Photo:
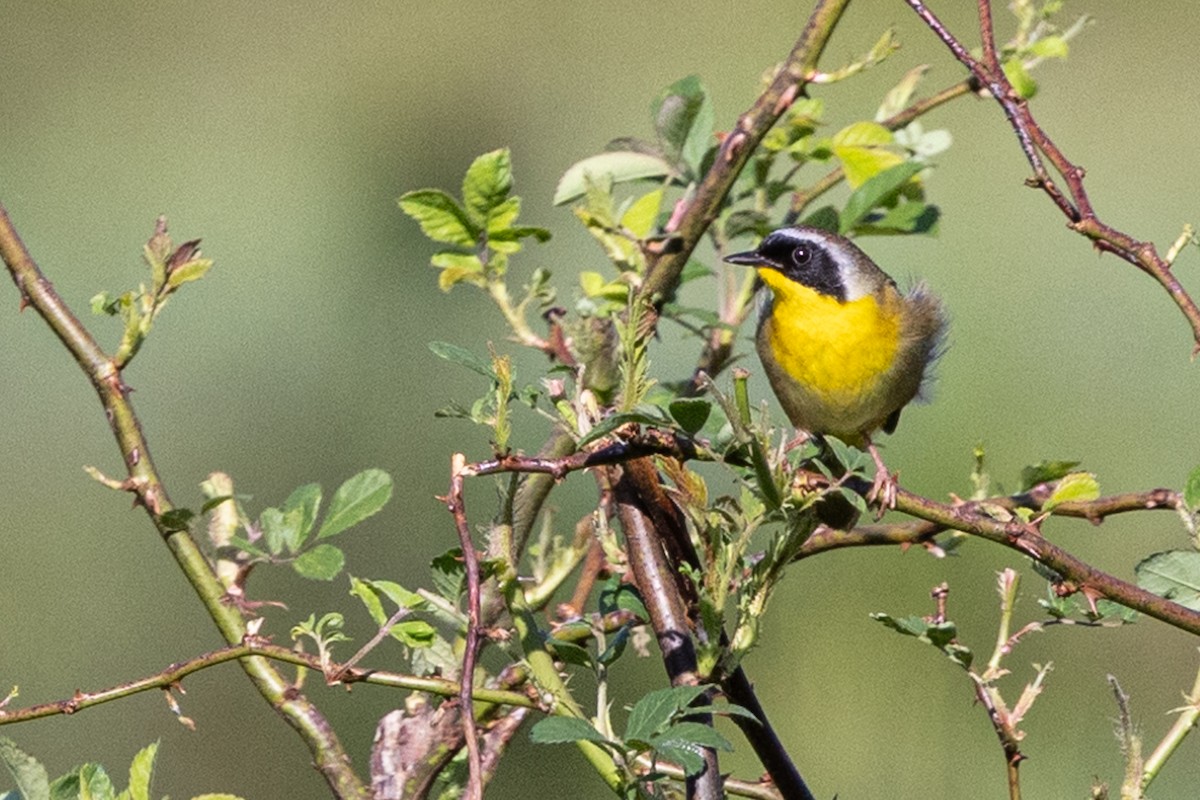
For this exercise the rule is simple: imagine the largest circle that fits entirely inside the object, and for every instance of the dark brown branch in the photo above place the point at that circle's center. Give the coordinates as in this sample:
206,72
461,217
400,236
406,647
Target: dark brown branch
641,505
1037,145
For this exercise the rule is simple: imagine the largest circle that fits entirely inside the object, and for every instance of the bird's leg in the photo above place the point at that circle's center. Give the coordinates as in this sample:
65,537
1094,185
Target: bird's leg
883,488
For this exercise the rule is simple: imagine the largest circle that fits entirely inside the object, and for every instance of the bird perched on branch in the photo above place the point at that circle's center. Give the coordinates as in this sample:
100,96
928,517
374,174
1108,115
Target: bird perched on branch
845,351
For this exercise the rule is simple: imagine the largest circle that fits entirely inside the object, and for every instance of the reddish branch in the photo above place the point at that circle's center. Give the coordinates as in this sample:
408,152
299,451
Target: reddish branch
1039,148
455,504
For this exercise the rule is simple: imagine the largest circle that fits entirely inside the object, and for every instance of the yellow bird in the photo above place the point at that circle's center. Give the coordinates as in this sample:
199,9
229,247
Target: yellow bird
843,348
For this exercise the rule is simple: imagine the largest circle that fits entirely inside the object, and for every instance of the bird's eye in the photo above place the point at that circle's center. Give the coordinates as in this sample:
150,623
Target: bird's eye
801,255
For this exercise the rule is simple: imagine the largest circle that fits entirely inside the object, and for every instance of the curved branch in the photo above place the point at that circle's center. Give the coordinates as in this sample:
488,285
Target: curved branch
146,485
1037,145
1026,538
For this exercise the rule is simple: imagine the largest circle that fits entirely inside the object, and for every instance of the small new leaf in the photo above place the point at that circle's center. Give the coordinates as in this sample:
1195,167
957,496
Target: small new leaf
1074,487
683,118
486,186
1045,471
440,216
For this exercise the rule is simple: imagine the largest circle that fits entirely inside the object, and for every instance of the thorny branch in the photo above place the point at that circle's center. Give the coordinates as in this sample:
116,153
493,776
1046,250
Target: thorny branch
1039,148
149,491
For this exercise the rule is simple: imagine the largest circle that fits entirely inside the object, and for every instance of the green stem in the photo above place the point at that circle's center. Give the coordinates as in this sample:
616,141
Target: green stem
762,469
546,678
1184,723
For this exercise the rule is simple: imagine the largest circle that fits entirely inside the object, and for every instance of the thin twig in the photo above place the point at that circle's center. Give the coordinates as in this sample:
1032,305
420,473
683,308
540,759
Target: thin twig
456,506
380,635
1040,148
176,672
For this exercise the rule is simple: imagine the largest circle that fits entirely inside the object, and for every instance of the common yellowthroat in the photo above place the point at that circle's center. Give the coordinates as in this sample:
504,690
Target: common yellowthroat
843,348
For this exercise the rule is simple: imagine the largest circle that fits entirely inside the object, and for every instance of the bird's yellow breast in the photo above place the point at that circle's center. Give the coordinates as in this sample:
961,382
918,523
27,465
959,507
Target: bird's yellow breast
837,351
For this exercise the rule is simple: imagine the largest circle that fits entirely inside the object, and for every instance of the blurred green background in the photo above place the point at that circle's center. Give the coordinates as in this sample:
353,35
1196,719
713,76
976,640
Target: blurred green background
282,134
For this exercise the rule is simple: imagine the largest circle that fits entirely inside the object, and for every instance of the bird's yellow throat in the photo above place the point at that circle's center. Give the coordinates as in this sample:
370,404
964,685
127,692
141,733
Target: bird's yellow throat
836,349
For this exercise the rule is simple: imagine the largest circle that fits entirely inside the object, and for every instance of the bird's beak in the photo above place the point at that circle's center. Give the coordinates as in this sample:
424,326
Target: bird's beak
750,258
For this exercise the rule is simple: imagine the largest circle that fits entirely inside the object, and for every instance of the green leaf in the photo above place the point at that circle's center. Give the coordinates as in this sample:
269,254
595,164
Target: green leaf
1075,487
358,498
941,635
280,531
862,134
322,563
486,185
688,758
458,267
393,591
683,118
615,646
1044,472
414,633
617,167
440,216
1022,82
619,596
646,415
570,653
27,773
560,730
690,412
1174,574
640,217
305,501
253,548
189,271
177,519
85,782
691,733
1191,490
1050,47
826,218
365,591
896,100
875,191
907,217
656,709
141,771
463,356
449,574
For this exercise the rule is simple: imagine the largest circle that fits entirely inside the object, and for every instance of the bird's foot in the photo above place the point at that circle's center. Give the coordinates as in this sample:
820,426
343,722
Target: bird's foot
884,487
